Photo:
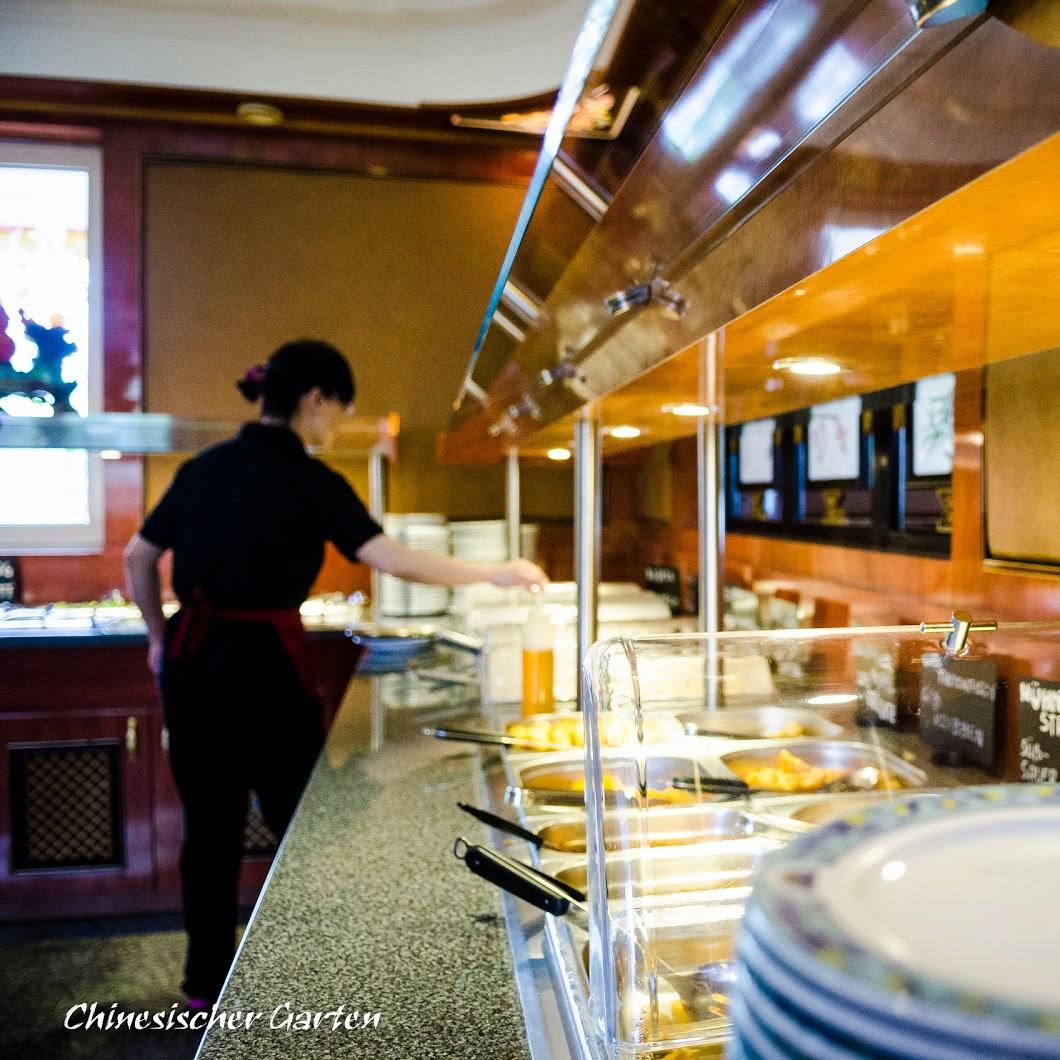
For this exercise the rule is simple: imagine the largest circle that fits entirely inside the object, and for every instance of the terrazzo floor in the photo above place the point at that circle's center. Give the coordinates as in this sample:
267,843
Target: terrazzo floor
47,968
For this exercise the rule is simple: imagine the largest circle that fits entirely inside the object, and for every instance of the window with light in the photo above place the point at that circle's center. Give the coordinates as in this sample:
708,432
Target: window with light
51,500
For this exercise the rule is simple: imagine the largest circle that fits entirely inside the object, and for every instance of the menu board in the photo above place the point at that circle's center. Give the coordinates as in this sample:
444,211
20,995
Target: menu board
958,709
1039,726
933,426
9,581
834,441
666,581
757,450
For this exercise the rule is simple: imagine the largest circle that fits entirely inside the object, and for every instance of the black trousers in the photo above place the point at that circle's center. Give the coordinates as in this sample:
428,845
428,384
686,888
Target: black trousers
239,719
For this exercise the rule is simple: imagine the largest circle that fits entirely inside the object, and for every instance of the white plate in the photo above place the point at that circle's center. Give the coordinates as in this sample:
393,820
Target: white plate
856,1023
755,1042
831,986
969,899
798,1038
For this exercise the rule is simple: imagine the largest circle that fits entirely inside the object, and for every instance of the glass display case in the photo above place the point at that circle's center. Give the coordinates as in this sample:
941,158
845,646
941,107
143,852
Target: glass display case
704,754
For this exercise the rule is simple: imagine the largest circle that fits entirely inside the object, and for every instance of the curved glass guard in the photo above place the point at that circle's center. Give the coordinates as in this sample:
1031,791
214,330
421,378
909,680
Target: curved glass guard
704,753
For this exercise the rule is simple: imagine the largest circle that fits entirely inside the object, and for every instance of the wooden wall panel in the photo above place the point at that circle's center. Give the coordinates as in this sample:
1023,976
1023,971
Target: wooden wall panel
500,168
880,587
1022,432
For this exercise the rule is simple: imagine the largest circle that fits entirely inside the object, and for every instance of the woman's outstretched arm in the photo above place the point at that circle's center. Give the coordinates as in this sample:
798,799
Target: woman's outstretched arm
392,557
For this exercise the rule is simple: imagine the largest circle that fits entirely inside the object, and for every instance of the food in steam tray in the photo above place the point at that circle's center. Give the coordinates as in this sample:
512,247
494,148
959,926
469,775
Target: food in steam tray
613,784
618,731
791,774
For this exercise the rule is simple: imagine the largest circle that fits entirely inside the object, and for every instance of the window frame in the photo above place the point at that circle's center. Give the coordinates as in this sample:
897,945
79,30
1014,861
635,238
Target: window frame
70,538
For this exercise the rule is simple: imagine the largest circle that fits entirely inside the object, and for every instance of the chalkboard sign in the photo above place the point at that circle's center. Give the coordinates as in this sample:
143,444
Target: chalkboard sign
1039,724
958,709
666,581
9,584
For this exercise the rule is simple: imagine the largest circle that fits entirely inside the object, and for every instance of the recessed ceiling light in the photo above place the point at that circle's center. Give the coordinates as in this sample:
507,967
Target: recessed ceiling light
624,431
687,408
815,366
558,454
255,113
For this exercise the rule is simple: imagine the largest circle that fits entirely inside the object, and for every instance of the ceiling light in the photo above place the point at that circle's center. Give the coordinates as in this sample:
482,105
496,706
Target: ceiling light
264,114
624,432
687,408
109,454
558,454
813,366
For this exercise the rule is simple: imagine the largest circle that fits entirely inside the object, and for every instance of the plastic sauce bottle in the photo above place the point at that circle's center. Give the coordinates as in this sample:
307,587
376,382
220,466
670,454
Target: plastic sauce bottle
538,676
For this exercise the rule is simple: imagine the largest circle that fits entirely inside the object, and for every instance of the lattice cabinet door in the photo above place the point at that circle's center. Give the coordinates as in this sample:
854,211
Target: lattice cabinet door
75,813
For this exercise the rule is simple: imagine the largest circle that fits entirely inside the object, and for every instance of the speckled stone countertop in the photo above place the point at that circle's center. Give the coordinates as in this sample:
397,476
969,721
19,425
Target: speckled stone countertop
367,907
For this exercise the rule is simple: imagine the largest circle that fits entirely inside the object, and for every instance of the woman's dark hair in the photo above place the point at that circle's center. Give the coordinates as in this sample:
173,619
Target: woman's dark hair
293,370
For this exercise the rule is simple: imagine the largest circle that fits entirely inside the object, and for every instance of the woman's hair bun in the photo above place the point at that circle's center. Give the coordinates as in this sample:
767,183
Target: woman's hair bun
252,384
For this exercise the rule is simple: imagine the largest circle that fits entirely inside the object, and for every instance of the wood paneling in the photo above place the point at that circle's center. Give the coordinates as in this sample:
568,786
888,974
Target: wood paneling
879,587
967,282
1022,437
936,118
129,144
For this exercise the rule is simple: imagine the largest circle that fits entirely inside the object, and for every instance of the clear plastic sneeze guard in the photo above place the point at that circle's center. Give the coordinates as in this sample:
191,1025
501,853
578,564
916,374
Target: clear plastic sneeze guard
705,753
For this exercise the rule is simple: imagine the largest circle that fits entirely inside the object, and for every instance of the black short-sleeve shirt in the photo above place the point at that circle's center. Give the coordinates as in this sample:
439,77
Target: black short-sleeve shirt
247,520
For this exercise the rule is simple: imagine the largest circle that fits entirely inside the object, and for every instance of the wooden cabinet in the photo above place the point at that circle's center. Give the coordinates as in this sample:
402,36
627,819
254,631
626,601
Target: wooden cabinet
90,819
75,818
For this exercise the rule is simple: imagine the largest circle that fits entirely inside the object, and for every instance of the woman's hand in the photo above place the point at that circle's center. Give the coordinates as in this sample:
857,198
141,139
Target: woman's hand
519,572
155,652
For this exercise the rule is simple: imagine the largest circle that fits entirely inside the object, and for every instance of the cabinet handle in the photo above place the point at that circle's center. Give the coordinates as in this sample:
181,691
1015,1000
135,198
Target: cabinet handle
132,739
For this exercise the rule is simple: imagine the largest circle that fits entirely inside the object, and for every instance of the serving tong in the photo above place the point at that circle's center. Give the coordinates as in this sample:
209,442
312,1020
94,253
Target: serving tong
864,779
711,984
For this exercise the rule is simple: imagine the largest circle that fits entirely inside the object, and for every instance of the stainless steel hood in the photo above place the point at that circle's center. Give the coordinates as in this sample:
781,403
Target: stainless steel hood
138,433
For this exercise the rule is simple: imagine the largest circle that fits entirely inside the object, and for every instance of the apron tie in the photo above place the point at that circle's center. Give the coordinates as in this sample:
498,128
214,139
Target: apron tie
195,621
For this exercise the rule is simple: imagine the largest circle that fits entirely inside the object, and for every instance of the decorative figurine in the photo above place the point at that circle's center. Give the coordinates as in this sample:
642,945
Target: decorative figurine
45,375
7,344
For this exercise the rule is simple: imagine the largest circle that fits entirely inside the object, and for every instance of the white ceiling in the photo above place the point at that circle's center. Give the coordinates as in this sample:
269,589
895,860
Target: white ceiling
401,52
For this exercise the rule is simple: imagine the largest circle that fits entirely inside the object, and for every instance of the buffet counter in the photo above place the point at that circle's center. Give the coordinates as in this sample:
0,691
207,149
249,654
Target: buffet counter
366,907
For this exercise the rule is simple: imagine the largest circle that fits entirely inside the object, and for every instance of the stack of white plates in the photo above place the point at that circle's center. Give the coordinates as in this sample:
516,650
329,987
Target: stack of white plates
486,540
925,929
426,531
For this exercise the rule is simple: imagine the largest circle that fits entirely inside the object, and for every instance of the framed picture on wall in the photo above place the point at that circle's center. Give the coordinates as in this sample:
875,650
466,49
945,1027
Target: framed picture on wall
931,434
834,446
757,450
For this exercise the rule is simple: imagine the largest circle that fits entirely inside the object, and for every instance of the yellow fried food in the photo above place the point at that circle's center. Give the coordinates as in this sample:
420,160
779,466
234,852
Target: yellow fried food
615,731
790,774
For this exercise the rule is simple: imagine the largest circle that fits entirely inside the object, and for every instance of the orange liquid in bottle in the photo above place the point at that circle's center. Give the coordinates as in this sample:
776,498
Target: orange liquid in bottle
538,696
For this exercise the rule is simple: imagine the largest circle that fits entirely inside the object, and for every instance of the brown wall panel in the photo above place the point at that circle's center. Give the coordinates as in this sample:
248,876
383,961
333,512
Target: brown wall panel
881,587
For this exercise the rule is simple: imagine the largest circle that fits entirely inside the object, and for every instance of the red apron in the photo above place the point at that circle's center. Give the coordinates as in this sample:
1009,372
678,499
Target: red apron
195,620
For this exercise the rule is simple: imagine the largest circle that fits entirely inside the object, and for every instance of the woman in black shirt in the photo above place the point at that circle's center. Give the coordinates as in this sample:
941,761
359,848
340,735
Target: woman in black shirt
247,521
